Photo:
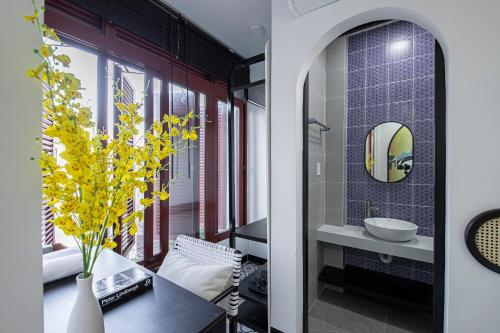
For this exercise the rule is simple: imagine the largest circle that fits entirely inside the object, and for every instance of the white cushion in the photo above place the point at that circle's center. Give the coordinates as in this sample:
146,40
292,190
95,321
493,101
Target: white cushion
59,264
207,281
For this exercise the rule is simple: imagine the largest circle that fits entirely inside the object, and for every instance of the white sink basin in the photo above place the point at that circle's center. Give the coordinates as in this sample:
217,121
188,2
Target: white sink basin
391,229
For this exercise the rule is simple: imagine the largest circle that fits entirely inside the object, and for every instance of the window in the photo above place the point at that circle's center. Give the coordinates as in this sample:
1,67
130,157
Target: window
198,203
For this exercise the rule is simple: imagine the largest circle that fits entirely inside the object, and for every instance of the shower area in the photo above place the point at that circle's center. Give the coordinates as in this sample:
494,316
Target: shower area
373,152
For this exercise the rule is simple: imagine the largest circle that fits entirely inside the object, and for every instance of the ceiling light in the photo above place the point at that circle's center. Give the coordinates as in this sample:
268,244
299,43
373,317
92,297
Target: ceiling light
257,30
400,45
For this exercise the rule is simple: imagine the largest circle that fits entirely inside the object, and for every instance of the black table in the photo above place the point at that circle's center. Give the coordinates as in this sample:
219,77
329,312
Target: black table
255,231
253,313
164,308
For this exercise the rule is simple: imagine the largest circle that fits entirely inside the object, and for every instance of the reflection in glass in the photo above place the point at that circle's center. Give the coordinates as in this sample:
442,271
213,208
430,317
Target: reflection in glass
223,165
184,201
389,152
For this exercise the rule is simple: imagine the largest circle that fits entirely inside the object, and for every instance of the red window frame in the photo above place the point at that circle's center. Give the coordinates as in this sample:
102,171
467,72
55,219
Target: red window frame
86,29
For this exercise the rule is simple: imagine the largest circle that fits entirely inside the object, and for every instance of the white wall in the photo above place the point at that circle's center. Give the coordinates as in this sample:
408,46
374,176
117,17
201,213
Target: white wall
468,33
20,200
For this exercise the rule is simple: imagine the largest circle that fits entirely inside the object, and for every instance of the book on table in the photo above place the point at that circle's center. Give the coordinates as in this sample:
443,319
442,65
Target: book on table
120,286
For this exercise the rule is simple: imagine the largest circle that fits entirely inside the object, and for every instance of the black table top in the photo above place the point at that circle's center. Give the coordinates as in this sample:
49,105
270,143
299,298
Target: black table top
164,308
250,295
256,231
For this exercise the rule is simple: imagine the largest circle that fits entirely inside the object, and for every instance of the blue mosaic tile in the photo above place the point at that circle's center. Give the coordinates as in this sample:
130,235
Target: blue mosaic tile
356,61
377,55
356,135
382,210
351,251
355,209
356,79
398,85
423,152
376,75
402,262
355,261
422,174
422,276
376,191
424,195
402,212
355,191
424,109
424,216
401,71
376,265
424,65
424,44
376,95
400,30
401,112
424,87
377,36
376,114
400,271
356,222
429,232
401,194
356,98
400,50
400,91
424,130
423,266
356,154
355,117
356,42
418,30
356,173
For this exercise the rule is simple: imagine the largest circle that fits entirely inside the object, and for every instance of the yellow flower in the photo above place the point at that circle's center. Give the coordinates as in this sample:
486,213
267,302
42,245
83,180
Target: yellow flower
133,229
45,51
164,195
174,119
32,18
121,106
89,185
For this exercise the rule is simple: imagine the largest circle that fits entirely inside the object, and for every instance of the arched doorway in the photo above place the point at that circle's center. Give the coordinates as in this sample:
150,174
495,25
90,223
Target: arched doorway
438,170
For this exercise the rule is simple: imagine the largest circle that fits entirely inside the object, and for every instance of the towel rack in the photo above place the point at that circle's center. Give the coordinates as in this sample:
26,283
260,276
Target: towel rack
323,127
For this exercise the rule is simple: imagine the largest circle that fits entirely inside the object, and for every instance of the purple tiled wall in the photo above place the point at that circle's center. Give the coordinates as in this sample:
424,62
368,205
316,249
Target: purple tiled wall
391,78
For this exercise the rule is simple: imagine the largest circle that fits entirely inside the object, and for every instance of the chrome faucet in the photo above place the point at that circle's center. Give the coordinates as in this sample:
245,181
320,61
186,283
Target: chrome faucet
369,209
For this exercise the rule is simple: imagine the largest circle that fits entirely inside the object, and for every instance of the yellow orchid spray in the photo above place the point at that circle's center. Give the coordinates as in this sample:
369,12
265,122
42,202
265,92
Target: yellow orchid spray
88,188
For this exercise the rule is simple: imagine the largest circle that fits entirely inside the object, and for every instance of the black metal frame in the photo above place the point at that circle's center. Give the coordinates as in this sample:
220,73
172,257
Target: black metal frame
412,147
470,237
305,205
231,88
439,189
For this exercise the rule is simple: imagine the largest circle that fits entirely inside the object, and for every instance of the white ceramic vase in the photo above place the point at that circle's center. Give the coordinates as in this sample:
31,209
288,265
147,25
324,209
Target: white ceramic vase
86,314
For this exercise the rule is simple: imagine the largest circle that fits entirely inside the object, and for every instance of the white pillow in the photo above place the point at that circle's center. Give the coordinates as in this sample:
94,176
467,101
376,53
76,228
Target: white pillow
59,264
207,281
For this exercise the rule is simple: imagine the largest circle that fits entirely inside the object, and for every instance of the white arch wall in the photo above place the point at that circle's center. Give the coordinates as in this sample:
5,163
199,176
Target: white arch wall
468,34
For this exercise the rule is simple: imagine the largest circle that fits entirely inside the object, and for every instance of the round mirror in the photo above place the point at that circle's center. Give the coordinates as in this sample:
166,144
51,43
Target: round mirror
482,237
389,152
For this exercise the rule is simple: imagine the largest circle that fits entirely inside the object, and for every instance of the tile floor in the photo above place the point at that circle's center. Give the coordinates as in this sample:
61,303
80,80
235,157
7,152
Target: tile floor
335,312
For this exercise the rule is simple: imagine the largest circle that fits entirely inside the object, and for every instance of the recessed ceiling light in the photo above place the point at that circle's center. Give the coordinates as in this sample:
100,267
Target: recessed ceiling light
257,30
400,45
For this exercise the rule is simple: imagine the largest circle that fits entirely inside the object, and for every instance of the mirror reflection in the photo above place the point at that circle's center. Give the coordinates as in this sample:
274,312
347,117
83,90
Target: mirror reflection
389,152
